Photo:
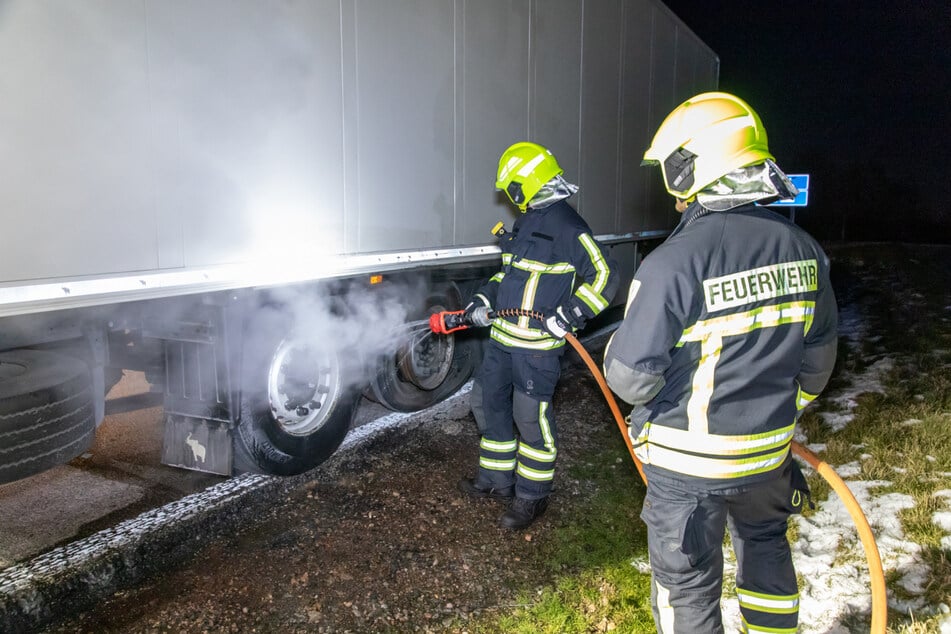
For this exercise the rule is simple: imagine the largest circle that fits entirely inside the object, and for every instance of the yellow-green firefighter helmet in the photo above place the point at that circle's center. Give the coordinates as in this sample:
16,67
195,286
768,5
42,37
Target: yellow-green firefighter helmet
524,168
705,138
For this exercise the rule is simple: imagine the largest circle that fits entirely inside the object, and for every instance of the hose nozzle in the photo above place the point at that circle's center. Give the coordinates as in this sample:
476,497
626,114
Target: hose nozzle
449,321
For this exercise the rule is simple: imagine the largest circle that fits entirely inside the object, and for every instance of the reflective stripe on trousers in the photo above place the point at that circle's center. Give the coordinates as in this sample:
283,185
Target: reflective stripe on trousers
517,389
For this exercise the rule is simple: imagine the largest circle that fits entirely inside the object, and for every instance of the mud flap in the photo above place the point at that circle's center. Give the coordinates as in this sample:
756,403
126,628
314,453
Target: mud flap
197,444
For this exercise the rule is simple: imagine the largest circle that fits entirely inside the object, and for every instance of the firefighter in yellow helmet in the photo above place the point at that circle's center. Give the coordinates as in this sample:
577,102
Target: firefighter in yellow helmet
729,332
551,265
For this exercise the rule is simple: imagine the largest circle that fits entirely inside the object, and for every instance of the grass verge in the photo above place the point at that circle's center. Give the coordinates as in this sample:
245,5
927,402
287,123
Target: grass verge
590,563
900,430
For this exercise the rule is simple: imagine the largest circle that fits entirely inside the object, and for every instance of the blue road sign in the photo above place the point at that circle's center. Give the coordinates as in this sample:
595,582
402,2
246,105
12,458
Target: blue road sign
801,181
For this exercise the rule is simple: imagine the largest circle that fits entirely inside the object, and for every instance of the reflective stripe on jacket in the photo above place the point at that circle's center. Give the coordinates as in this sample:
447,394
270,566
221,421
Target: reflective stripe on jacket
542,257
730,330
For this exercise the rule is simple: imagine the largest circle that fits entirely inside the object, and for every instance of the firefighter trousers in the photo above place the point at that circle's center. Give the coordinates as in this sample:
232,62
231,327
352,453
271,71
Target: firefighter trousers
685,541
513,392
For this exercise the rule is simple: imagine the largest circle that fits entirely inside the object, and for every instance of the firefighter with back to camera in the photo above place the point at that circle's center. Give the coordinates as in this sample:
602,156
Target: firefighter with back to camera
729,332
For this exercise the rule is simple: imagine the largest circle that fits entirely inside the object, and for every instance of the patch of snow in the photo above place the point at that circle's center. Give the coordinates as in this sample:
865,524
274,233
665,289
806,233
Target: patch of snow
915,578
943,520
642,564
836,421
868,381
849,469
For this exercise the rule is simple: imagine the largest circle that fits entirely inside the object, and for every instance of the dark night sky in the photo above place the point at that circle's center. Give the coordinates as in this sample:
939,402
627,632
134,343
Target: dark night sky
857,94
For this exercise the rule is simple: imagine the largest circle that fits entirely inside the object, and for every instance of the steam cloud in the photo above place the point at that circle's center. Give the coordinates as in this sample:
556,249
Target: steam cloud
360,325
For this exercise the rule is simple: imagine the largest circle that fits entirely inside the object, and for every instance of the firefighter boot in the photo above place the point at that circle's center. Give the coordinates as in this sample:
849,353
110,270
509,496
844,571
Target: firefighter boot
523,512
473,490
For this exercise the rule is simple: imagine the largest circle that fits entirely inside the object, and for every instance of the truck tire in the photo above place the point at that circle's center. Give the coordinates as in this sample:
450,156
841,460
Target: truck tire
46,412
298,402
428,368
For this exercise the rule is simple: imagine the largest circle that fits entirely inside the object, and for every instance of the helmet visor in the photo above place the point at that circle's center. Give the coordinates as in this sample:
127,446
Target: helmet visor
515,192
678,170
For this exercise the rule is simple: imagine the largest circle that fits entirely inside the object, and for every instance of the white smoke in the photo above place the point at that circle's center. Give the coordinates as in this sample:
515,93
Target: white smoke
358,325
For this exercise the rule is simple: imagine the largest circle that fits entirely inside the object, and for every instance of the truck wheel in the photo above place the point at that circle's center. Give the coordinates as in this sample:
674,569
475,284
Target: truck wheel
298,404
46,412
426,368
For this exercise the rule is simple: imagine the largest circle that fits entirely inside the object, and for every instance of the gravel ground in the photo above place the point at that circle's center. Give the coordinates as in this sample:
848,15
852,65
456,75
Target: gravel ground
377,540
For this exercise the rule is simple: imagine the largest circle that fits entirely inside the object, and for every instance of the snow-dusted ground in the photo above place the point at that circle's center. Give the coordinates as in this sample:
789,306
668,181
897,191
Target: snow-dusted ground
828,554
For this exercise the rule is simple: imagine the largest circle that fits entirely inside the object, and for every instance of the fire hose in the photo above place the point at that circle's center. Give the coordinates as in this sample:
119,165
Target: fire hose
451,321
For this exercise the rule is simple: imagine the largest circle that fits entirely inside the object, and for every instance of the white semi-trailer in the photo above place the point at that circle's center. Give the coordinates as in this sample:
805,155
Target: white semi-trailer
246,200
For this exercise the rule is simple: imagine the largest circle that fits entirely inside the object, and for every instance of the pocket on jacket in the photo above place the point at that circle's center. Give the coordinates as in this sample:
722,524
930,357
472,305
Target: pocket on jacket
537,247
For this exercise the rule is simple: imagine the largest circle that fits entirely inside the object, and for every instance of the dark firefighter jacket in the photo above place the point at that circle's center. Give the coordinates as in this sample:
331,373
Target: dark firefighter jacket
730,330
543,255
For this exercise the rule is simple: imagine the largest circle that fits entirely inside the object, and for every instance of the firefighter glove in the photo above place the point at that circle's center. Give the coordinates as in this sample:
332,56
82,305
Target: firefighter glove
477,313
479,316
558,325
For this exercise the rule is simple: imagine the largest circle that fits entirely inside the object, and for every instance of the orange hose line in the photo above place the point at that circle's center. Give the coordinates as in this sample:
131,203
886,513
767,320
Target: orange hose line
618,417
876,573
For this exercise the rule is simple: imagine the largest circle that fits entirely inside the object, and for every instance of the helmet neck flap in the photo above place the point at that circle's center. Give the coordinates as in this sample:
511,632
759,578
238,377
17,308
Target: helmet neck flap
551,192
753,183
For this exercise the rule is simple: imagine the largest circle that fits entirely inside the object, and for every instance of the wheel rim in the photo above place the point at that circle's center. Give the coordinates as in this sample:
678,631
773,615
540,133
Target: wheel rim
426,359
304,381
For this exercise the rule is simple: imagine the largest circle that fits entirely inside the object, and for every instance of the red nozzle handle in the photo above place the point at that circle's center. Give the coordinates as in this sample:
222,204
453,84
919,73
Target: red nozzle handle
448,321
